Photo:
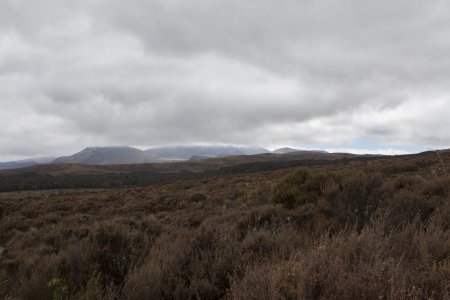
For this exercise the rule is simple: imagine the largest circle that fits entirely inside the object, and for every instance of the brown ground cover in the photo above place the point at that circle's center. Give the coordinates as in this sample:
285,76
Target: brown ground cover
355,229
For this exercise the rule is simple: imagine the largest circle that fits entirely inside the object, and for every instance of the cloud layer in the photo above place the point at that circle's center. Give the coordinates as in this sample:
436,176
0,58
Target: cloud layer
301,73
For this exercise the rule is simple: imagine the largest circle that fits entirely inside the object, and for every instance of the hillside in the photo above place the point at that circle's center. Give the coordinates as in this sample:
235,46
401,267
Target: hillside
284,150
322,229
17,164
24,163
88,176
129,155
105,156
186,152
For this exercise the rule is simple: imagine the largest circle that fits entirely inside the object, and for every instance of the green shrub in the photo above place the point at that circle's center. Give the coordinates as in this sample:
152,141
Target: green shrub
60,288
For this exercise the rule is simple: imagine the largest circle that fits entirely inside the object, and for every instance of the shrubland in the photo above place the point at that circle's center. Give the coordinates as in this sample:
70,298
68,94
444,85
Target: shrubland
353,229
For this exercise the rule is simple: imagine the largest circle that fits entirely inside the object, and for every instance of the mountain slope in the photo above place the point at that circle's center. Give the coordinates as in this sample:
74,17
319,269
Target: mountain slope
285,150
106,156
202,165
129,155
23,163
17,164
186,152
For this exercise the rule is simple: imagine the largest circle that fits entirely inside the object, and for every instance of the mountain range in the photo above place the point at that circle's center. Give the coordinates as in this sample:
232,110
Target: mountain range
130,155
105,156
25,163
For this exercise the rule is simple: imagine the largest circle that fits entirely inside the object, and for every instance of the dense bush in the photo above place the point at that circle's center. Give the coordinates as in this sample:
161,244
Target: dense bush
301,187
357,230
357,265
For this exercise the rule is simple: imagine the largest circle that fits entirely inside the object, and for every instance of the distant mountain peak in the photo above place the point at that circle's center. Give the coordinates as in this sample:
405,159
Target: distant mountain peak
105,156
111,155
130,155
186,152
285,150
103,148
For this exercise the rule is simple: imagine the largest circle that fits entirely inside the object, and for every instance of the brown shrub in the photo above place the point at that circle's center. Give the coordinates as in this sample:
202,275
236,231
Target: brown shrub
365,265
405,205
362,193
347,232
292,191
437,187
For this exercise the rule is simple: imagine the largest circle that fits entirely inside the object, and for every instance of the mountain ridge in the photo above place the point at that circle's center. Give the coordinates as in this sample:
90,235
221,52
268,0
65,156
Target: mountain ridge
130,155
181,166
105,156
19,164
113,155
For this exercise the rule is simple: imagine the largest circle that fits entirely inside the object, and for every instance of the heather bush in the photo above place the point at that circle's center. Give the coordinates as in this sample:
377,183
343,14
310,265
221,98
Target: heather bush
185,266
111,250
404,206
301,187
362,193
360,229
368,264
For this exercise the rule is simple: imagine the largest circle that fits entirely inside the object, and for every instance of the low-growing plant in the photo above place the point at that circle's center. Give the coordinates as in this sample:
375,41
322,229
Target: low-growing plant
366,228
60,288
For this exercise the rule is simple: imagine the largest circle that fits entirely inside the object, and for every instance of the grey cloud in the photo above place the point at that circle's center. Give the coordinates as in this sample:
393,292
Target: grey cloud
84,73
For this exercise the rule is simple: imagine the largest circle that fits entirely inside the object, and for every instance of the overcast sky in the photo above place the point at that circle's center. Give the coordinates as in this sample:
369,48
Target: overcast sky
361,76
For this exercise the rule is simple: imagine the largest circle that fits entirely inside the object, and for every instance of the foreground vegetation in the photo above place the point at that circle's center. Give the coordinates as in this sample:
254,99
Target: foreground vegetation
357,229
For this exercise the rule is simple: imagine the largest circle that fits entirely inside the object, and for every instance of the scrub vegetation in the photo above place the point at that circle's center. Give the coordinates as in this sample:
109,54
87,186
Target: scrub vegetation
348,229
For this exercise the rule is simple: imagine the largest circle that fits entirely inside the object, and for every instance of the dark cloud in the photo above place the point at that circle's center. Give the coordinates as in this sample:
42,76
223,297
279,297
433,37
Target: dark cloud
299,73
